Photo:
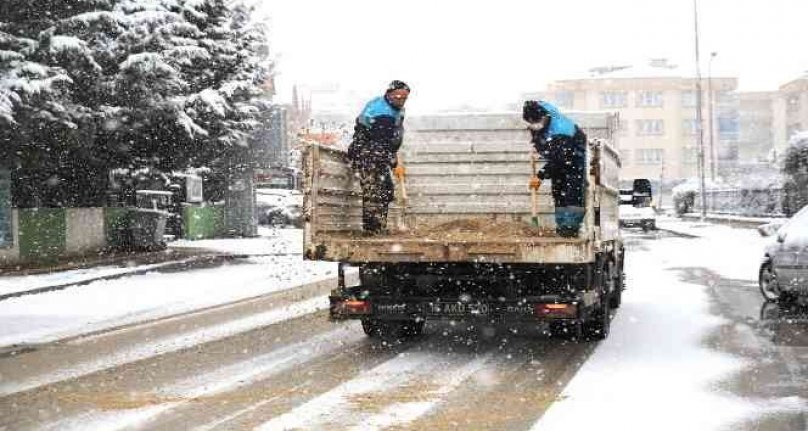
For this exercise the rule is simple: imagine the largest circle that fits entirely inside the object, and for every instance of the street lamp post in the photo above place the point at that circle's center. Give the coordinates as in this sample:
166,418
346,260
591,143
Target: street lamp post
699,119
710,112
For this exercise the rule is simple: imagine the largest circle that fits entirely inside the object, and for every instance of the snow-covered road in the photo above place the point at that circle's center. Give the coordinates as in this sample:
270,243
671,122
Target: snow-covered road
687,351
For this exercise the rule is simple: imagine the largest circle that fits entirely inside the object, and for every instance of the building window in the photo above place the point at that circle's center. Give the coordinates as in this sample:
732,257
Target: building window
565,99
690,155
649,99
625,157
613,99
622,128
689,98
792,103
649,156
690,127
728,125
726,97
650,127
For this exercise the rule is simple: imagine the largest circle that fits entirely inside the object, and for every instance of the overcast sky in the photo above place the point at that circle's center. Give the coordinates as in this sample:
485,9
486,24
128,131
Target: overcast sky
488,52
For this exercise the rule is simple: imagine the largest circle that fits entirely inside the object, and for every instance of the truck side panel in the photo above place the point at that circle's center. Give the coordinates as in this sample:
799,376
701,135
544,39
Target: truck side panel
458,168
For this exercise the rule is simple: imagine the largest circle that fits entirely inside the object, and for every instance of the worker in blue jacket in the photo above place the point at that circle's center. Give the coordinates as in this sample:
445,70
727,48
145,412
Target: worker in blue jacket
563,145
377,137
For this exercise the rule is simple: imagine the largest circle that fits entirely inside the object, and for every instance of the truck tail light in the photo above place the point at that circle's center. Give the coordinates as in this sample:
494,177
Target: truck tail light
350,307
563,311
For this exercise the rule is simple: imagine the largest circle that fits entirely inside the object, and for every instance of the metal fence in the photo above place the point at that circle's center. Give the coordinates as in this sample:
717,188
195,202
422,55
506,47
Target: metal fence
760,202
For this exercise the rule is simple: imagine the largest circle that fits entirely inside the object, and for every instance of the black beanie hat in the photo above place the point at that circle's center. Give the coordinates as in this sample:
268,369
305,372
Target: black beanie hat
397,85
532,112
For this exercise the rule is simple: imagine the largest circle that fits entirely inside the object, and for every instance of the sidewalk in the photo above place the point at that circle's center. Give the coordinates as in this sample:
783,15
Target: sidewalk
733,220
713,227
179,255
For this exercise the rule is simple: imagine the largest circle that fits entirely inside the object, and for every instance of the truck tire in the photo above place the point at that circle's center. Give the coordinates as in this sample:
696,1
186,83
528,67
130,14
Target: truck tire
392,329
412,328
597,326
371,327
616,297
566,330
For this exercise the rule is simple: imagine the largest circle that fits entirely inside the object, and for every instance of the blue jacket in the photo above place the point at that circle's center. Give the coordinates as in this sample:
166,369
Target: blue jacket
377,135
560,124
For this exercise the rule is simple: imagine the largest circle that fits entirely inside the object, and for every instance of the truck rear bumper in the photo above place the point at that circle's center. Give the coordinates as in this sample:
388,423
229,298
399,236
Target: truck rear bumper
435,309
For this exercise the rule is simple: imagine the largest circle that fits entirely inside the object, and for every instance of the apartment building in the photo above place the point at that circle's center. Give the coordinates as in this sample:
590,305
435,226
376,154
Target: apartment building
790,111
657,102
756,126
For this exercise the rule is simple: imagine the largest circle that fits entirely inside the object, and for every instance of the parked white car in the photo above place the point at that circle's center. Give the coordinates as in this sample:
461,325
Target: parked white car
784,270
643,217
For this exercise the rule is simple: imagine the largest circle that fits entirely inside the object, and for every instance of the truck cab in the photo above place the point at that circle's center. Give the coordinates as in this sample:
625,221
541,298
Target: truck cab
636,208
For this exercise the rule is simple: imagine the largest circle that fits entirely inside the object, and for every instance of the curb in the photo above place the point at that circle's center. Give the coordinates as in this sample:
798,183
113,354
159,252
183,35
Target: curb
738,222
188,263
678,233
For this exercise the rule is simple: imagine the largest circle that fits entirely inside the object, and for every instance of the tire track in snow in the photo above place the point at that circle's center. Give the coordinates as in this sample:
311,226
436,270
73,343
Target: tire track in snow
168,344
212,384
393,393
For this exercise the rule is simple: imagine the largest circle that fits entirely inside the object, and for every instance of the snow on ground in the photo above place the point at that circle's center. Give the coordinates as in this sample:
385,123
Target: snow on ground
654,370
108,303
171,343
22,283
733,253
269,241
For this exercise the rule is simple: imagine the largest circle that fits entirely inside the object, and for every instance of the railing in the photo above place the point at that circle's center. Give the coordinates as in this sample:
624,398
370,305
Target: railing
766,202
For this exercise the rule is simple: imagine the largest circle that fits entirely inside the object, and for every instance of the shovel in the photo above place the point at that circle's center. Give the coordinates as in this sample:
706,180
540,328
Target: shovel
534,185
400,174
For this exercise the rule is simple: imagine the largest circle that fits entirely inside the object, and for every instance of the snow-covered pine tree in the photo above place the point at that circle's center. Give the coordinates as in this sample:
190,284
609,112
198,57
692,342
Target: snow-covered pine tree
239,64
163,84
46,129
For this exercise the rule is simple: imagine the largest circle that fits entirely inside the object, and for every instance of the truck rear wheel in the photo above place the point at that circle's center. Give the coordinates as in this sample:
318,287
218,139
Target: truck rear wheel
616,288
371,327
566,330
392,328
597,326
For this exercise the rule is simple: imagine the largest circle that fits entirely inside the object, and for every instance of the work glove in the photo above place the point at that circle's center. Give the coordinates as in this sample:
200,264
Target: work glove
534,183
399,171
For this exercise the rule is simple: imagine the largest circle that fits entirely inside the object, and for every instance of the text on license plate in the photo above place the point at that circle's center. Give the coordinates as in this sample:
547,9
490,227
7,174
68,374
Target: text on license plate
458,308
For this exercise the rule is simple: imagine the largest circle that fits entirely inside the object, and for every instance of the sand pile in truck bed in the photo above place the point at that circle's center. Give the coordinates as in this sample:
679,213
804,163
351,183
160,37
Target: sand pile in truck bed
477,229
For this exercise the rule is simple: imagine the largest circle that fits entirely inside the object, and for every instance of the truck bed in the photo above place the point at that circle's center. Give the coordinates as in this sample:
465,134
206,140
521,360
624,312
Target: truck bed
465,240
468,200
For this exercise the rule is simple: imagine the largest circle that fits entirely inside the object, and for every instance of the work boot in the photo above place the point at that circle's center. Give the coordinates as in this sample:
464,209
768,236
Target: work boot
567,232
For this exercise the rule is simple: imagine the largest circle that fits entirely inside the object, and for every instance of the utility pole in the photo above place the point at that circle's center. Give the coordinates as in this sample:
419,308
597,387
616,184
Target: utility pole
710,111
699,117
661,182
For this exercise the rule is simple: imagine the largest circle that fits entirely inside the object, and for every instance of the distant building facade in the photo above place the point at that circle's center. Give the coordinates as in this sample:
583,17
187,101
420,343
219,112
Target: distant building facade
270,141
790,111
658,137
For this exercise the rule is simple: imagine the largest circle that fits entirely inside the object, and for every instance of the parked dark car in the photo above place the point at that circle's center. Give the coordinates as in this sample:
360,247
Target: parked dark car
279,207
784,270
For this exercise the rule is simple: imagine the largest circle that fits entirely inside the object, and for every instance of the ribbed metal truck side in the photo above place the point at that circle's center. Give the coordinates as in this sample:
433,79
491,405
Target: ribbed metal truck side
462,245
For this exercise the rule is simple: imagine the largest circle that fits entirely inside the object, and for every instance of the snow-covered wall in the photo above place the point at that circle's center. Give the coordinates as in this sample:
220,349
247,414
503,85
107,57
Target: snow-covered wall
84,230
48,234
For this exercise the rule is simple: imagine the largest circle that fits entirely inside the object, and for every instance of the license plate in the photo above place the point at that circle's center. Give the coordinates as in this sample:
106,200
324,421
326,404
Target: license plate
457,309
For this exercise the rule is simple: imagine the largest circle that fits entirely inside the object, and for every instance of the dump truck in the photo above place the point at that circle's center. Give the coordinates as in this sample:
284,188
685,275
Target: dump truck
467,239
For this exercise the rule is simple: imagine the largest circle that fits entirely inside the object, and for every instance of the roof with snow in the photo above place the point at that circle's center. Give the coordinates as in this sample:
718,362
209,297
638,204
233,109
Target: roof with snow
654,68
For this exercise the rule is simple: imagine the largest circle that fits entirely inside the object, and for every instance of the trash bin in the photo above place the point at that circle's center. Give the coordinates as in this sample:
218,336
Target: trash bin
146,229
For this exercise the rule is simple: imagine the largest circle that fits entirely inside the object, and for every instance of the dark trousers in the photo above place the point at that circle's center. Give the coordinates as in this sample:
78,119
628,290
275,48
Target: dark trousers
566,165
377,193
